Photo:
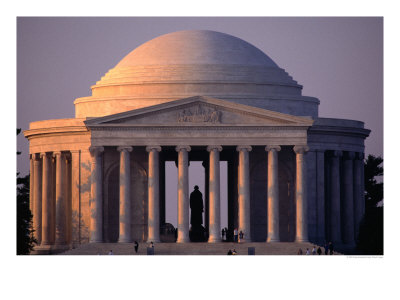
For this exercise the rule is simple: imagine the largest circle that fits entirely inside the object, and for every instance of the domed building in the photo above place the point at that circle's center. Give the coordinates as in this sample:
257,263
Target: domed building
196,96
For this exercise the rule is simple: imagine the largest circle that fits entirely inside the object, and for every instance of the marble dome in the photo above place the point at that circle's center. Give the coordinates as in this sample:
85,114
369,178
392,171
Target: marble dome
195,63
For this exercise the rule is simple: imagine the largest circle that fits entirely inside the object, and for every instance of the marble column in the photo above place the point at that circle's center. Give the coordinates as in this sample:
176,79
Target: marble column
335,228
75,197
357,190
205,164
124,195
214,195
320,195
96,201
301,195
61,203
273,194
31,182
183,194
37,197
47,203
154,194
244,192
348,209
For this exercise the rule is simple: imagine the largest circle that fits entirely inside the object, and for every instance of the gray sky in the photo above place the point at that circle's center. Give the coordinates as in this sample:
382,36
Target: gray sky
338,60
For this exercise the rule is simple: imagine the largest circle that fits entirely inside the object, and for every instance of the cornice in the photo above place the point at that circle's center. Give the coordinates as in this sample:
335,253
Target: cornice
55,131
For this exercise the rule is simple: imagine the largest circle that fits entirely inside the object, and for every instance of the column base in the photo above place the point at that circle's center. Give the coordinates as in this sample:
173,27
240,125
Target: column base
301,240
96,241
273,240
183,240
126,241
153,240
49,249
214,240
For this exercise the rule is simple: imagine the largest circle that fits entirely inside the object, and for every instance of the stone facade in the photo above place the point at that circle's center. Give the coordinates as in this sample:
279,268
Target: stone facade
292,176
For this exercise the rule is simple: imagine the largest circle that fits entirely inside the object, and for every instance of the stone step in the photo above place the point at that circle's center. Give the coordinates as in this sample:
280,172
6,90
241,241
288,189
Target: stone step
192,248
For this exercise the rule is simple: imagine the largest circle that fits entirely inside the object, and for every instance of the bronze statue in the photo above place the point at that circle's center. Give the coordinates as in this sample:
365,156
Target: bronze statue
196,207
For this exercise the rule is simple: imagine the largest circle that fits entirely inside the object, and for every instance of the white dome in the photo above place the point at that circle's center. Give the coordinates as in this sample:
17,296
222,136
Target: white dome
199,47
195,63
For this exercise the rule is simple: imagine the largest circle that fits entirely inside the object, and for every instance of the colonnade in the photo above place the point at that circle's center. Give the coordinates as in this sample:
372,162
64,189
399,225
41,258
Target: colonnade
96,231
346,196
49,200
49,195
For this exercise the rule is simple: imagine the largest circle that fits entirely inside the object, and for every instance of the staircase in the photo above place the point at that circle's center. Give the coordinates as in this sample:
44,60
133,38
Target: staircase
192,248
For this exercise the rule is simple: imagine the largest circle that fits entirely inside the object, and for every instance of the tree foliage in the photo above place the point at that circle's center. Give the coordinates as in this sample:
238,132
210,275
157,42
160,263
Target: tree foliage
373,189
25,239
370,236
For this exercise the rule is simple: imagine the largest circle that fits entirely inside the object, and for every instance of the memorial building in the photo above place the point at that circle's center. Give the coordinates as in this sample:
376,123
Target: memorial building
196,96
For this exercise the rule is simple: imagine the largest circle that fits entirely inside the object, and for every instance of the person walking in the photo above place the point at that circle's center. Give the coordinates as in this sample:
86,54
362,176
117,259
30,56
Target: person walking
308,252
241,235
319,251
235,235
314,251
330,248
326,248
136,246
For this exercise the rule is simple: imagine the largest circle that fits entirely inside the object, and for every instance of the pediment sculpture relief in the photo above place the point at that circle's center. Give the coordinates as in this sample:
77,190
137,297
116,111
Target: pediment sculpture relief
199,114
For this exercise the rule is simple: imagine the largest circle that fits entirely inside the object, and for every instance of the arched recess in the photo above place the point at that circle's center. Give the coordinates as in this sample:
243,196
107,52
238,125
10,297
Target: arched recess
138,202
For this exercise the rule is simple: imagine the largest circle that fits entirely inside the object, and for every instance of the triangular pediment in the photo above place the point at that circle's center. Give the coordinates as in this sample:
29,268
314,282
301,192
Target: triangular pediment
200,111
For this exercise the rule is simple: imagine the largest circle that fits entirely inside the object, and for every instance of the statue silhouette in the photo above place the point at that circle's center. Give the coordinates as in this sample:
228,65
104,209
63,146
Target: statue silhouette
197,231
196,207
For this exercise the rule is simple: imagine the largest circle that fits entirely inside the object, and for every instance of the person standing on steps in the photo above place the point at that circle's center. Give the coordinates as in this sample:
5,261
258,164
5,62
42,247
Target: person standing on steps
235,235
330,248
314,251
300,252
136,246
241,235
110,253
319,251
326,248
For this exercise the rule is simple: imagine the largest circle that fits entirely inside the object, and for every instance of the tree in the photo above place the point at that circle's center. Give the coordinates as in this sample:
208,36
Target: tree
25,239
373,189
370,237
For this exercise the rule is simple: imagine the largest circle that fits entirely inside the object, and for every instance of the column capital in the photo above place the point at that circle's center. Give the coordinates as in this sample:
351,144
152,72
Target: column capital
243,148
36,156
124,148
349,155
56,153
182,147
301,149
43,154
359,155
150,148
96,150
337,153
276,148
214,147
